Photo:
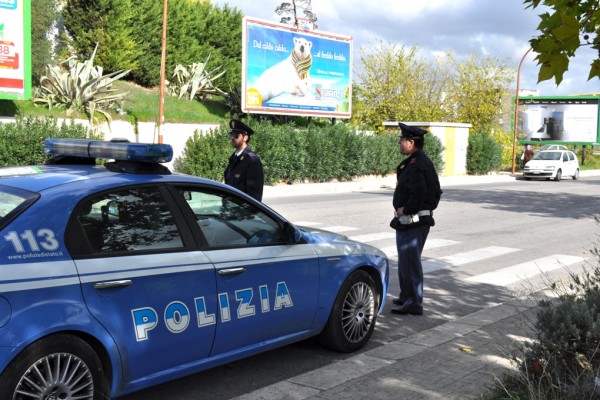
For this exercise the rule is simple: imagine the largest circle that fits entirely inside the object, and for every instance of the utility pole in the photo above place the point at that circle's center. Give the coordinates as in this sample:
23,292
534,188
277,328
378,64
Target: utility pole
163,62
514,152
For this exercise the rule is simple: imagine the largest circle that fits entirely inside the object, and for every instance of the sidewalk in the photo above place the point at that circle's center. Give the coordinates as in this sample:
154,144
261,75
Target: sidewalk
458,359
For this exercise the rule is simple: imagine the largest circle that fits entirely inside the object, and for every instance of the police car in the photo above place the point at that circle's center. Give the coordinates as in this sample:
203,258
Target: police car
117,277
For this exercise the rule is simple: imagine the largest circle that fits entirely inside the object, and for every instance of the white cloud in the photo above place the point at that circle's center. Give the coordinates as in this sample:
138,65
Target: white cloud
500,28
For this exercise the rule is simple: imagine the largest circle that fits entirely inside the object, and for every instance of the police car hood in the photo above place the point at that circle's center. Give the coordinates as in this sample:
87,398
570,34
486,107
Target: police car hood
323,234
315,235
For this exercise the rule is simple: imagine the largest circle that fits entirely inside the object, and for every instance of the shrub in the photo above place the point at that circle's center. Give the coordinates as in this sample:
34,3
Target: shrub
206,154
564,360
483,154
435,150
22,142
317,153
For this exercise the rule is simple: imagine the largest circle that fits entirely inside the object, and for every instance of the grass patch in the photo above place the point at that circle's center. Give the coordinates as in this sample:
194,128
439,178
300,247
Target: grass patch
140,103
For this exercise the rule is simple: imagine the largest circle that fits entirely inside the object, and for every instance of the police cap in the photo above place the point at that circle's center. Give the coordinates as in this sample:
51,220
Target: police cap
239,127
411,131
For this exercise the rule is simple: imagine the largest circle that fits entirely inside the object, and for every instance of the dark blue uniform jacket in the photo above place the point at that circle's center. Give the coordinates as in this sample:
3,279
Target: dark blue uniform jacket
417,189
246,173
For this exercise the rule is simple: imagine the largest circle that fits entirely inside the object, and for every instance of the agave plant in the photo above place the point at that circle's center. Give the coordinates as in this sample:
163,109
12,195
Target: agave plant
234,101
195,80
80,86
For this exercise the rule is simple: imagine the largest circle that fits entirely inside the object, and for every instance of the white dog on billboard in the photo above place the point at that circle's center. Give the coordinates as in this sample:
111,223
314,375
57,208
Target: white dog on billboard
289,75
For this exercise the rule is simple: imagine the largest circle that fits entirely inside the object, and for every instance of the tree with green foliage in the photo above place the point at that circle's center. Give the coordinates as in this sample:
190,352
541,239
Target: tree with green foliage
395,84
195,31
476,91
107,23
569,25
43,16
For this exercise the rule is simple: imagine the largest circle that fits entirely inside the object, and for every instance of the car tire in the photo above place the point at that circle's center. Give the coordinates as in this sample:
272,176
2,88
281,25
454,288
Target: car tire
59,367
354,314
558,175
576,174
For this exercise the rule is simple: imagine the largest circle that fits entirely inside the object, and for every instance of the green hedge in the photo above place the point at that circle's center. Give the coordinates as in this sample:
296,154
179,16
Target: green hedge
22,142
317,153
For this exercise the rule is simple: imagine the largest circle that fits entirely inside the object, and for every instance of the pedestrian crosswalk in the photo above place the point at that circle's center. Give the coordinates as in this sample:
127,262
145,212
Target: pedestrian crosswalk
500,277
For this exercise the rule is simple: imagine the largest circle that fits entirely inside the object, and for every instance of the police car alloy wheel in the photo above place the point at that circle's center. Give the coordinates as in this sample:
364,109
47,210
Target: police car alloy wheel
352,319
60,367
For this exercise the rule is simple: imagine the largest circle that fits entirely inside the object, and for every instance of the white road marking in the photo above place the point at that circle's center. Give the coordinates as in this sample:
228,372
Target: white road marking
306,223
339,229
371,237
436,243
515,273
477,255
392,251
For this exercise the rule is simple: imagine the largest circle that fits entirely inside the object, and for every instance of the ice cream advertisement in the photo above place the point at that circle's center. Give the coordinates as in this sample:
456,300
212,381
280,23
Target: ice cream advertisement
296,72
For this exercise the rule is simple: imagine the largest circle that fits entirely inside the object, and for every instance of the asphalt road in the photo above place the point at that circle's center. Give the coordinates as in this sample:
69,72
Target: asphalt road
491,242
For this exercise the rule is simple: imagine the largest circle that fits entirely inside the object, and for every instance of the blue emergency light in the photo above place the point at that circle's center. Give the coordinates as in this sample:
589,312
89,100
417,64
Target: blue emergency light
121,151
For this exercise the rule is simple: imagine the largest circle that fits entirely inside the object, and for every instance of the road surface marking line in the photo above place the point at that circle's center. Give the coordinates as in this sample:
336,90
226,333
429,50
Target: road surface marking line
371,237
340,228
525,270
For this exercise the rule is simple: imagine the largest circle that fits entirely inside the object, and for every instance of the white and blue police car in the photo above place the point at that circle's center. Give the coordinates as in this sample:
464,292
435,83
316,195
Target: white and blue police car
117,277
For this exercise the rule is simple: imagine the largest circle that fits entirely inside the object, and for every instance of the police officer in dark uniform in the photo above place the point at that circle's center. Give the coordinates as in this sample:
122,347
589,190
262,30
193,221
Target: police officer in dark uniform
417,194
244,170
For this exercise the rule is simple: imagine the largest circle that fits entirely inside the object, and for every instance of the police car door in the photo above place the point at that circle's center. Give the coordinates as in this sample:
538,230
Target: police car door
144,280
266,288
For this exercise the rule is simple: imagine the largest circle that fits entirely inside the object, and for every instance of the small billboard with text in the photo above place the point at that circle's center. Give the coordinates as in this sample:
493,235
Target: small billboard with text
566,120
291,71
15,49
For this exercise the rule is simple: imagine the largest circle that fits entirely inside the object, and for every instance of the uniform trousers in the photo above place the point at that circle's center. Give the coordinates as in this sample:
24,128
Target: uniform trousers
410,243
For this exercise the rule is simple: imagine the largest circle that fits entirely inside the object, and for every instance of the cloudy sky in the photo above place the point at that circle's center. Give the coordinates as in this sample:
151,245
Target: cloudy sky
501,28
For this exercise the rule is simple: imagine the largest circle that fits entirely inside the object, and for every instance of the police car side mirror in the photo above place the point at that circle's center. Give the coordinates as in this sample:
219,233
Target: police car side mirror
291,234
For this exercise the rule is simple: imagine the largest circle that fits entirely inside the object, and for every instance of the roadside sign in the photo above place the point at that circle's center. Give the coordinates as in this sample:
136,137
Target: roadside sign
15,49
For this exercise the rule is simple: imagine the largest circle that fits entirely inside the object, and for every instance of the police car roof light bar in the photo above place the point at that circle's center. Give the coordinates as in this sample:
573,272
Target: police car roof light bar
121,151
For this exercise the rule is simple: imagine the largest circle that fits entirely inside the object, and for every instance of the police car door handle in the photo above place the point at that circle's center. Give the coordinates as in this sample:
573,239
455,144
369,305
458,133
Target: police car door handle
232,271
112,284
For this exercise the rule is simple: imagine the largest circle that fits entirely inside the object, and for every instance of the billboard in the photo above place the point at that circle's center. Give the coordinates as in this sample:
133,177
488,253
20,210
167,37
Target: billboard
15,49
290,71
558,119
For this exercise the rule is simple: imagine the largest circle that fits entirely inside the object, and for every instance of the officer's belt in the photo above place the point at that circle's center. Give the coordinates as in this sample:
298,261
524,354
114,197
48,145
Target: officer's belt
423,213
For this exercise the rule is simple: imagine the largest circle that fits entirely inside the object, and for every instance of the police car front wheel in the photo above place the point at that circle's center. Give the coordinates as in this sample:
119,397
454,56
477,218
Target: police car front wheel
58,367
354,313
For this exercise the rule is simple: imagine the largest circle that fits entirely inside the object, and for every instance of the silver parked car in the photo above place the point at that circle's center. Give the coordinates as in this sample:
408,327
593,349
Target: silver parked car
552,164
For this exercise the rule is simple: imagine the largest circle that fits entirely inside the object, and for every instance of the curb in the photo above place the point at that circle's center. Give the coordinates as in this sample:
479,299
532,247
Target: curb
371,183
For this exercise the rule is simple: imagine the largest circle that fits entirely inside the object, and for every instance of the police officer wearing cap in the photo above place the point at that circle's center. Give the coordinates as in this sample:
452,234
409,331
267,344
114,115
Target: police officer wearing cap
416,195
244,170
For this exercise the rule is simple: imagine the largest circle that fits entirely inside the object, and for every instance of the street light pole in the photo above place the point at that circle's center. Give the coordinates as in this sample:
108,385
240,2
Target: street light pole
516,117
163,62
